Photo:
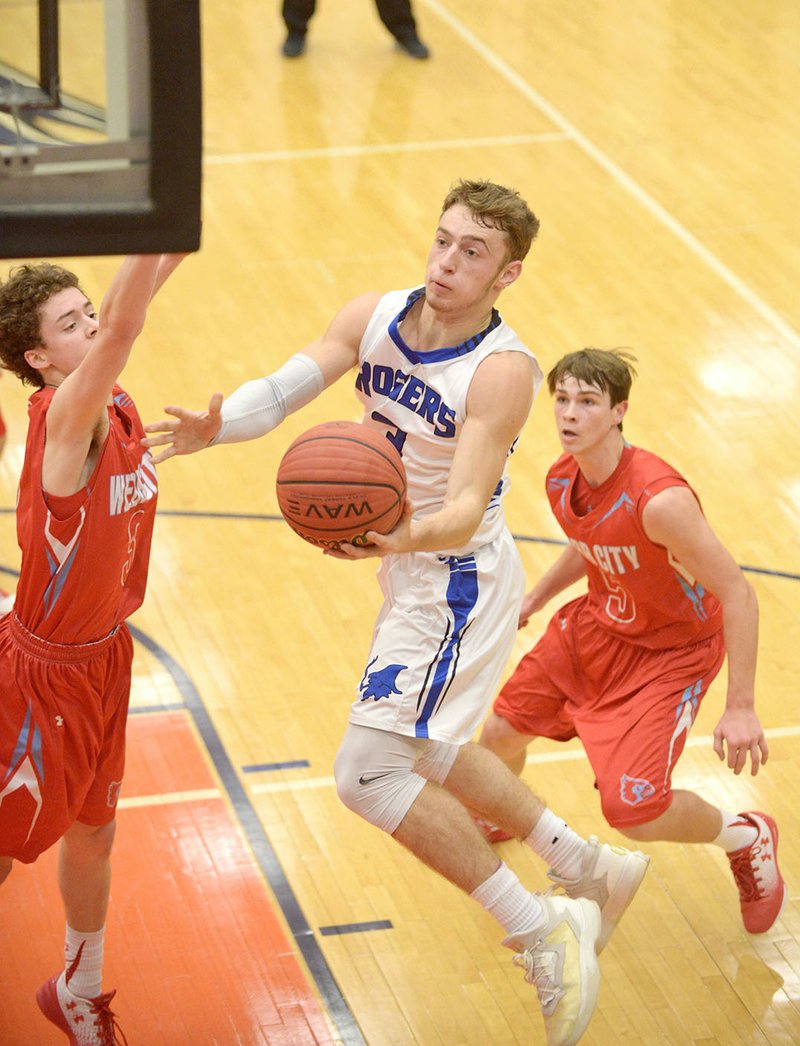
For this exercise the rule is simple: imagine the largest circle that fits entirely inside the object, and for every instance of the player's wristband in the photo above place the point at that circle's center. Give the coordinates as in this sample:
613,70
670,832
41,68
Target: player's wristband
258,406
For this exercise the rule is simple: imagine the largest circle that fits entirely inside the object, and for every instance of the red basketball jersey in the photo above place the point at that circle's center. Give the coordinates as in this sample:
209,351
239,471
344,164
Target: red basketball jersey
637,589
85,557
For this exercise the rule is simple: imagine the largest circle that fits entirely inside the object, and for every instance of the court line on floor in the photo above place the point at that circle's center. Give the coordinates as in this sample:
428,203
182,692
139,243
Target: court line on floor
263,852
620,176
789,575
569,755
387,148
309,783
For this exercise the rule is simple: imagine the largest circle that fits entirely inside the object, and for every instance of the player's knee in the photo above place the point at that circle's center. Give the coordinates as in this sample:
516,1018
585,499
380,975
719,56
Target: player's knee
346,780
375,778
619,813
500,737
89,843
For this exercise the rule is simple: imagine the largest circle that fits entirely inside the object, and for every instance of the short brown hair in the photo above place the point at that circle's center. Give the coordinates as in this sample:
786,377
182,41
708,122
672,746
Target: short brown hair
606,369
22,296
500,208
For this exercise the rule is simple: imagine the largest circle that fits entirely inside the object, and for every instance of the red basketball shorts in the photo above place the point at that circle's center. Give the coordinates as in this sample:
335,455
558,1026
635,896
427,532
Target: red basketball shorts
632,707
63,713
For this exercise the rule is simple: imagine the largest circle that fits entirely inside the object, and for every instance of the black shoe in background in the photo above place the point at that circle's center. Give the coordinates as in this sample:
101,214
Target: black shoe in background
294,45
412,45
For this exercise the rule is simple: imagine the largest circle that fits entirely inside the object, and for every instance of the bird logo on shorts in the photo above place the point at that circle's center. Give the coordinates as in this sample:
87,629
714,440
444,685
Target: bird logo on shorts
382,683
633,790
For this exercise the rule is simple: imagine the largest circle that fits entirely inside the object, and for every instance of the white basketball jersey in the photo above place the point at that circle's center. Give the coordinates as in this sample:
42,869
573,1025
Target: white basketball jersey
419,399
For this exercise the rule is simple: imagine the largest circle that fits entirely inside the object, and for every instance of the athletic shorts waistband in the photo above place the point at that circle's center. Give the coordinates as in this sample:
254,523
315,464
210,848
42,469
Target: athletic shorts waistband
64,652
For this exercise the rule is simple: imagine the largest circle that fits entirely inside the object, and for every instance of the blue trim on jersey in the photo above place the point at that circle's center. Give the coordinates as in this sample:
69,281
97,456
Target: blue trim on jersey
58,577
564,485
462,595
436,355
695,596
623,499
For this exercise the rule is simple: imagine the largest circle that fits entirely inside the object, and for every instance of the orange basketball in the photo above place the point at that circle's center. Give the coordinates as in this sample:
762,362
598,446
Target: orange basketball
338,480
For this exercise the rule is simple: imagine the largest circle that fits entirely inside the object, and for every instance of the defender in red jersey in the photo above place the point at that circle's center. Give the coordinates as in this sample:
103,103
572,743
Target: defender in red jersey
625,666
85,512
6,598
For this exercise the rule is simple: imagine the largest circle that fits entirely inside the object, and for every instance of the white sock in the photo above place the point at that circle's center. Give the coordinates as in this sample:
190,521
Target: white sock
737,832
558,845
516,909
83,958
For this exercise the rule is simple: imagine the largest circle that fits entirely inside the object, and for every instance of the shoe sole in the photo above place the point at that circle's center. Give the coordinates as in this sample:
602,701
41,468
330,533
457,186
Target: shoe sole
620,897
590,971
47,1000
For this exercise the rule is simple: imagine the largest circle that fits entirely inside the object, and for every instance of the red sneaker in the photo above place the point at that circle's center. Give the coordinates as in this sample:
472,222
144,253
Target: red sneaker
762,891
86,1022
491,831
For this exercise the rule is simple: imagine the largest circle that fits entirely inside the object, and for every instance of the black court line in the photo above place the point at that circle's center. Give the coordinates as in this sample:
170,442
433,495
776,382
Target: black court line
271,518
271,868
375,924
289,764
265,855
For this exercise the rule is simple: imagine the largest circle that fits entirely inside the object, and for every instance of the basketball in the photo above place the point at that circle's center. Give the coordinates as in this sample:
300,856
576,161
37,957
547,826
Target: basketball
339,480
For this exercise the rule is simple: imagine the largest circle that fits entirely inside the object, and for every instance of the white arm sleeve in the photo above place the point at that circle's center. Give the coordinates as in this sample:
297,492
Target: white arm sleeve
258,406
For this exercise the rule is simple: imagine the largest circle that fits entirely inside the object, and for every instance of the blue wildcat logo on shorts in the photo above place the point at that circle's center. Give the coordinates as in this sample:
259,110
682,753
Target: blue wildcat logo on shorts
382,683
633,790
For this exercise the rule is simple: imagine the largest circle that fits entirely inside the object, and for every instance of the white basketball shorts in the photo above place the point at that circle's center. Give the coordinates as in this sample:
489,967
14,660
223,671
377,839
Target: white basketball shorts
442,639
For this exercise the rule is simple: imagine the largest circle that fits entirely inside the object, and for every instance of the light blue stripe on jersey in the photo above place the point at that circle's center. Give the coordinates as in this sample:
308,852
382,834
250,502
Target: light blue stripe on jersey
462,595
58,577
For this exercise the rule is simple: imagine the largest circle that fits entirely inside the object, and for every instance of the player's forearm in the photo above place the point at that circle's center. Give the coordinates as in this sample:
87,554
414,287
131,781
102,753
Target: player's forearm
167,264
124,306
259,406
567,569
451,526
740,625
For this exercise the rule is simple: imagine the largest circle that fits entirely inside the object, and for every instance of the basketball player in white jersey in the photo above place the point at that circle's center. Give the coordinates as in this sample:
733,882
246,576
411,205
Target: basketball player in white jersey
451,385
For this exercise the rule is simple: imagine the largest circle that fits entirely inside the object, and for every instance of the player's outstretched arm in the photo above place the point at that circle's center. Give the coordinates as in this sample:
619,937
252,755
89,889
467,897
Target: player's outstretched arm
188,430
260,405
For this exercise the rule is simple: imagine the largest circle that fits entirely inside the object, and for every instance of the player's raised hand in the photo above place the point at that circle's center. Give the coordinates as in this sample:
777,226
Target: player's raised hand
189,431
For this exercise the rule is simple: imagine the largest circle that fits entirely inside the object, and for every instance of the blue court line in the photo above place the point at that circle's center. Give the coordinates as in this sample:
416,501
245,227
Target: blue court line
289,764
267,859
270,518
267,518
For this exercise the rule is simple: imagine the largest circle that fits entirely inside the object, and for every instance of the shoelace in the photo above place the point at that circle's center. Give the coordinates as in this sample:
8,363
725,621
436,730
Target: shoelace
105,1020
538,968
745,874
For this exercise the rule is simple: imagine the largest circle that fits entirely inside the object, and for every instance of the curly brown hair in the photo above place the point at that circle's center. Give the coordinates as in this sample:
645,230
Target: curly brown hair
22,296
500,208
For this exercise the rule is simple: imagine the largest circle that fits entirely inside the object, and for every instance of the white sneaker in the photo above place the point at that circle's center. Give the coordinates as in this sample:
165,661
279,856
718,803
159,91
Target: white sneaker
560,960
85,1022
611,875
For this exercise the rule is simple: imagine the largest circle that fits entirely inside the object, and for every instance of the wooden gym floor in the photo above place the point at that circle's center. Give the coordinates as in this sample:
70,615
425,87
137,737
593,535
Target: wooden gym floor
657,141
